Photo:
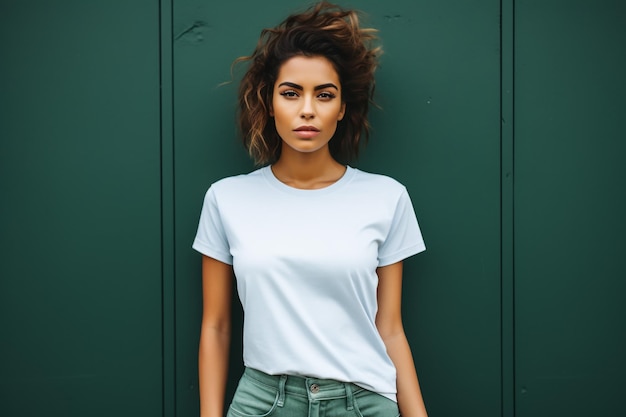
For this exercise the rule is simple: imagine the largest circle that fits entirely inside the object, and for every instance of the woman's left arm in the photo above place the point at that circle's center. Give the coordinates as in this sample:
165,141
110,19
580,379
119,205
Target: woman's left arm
389,324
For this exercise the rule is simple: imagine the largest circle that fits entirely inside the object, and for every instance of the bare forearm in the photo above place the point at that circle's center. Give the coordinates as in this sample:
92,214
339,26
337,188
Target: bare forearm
410,398
213,370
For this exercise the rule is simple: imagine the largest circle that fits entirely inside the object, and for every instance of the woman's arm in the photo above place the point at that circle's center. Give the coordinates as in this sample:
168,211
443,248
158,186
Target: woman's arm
217,287
389,324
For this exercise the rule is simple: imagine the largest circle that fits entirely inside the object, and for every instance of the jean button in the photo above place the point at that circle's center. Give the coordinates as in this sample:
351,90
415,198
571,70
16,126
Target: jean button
315,388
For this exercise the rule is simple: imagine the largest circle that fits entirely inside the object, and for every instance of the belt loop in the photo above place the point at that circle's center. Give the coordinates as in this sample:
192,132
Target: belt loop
349,397
281,390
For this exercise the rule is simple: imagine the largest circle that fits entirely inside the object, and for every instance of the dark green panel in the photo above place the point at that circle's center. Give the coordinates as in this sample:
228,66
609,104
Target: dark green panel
438,132
80,287
569,208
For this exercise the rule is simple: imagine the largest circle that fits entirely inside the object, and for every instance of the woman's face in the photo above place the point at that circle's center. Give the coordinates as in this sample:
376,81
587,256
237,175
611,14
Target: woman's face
306,103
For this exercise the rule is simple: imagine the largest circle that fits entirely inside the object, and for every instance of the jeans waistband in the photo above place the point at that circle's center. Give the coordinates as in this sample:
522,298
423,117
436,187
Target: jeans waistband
313,388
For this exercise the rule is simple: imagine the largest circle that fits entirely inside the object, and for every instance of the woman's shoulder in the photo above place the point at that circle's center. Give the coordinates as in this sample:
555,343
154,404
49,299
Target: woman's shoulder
378,182
239,181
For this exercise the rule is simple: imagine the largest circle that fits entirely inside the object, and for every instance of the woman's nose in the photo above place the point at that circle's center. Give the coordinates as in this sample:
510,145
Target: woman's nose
307,112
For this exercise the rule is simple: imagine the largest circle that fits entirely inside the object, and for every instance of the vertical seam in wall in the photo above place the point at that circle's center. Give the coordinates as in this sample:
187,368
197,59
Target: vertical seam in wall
514,409
162,234
173,149
507,182
168,232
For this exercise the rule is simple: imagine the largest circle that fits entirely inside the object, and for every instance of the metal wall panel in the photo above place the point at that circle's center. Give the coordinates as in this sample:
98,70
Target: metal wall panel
80,248
569,208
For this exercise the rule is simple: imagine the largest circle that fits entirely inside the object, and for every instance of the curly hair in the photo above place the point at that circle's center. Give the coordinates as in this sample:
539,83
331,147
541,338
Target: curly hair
322,30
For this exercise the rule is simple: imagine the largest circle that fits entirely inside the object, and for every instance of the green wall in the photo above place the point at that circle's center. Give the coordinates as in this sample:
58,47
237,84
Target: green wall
570,201
80,218
502,118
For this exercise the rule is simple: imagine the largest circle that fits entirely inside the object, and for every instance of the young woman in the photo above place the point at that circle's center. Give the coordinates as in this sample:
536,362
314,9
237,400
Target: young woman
316,246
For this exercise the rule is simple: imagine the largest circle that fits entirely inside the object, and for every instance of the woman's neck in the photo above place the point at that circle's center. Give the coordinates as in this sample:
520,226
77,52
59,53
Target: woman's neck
307,171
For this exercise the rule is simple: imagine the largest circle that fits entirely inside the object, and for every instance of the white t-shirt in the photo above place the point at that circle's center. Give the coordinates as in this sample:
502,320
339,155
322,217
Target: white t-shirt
305,263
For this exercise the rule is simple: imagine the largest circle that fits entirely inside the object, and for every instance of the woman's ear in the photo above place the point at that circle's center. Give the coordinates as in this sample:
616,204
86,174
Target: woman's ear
342,112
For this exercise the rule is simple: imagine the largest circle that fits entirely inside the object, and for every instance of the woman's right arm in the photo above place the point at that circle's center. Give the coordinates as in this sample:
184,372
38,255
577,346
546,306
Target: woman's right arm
217,287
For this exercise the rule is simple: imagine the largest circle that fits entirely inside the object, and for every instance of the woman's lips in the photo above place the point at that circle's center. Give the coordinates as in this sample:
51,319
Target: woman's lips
306,132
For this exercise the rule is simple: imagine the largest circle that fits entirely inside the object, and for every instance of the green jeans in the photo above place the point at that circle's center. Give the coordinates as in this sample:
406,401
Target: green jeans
261,395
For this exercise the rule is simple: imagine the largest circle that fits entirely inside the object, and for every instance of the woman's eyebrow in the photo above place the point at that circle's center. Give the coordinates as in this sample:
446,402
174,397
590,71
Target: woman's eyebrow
299,87
292,85
324,86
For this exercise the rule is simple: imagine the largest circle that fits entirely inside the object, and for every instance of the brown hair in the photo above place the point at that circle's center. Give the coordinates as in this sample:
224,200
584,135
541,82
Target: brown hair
323,30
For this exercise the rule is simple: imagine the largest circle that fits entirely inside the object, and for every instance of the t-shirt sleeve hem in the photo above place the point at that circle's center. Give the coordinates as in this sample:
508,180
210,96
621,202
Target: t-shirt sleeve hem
207,250
401,255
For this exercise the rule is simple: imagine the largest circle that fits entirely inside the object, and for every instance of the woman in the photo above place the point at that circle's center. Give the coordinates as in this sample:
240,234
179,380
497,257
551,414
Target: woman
316,246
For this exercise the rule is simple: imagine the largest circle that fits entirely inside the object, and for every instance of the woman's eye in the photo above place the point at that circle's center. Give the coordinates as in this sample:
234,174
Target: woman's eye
326,96
289,94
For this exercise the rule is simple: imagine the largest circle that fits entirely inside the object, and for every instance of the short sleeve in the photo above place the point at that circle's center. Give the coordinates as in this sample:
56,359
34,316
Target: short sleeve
404,238
211,239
